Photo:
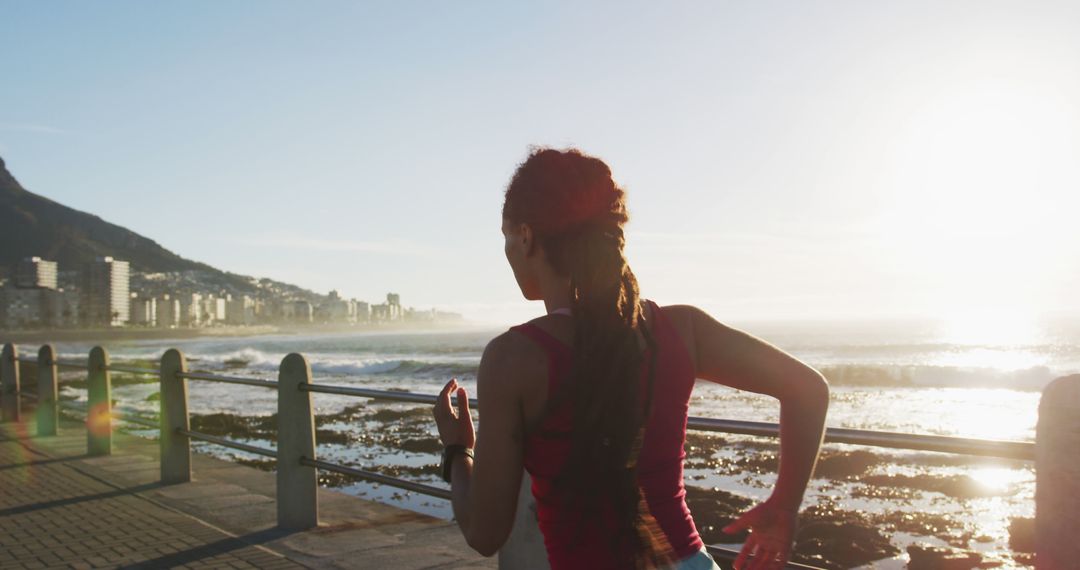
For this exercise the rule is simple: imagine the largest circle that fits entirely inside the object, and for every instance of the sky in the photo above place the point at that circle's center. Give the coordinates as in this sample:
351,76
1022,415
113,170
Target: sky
783,160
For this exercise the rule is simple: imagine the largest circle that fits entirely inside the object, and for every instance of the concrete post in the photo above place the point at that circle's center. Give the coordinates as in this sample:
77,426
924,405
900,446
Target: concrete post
1057,475
297,485
98,404
524,548
48,411
173,397
9,384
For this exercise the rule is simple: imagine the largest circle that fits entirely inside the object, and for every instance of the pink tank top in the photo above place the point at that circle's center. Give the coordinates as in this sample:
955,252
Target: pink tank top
660,461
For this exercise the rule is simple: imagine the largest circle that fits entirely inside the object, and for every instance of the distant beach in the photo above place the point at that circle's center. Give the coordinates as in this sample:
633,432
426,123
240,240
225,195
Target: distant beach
124,334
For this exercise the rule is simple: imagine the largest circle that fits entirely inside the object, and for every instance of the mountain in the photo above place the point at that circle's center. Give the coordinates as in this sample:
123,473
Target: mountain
34,225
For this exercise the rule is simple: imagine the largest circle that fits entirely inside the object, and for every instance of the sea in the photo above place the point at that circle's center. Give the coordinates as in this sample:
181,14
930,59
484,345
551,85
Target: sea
914,377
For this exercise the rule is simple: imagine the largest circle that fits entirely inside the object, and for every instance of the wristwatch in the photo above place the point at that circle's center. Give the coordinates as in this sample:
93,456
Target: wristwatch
448,455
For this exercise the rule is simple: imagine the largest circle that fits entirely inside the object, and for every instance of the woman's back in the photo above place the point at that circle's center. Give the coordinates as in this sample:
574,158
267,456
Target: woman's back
659,461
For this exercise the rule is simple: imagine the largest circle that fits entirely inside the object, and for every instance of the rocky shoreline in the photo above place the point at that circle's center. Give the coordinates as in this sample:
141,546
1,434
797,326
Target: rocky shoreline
832,534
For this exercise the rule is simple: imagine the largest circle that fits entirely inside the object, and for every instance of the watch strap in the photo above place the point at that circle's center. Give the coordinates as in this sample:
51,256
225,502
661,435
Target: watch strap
450,452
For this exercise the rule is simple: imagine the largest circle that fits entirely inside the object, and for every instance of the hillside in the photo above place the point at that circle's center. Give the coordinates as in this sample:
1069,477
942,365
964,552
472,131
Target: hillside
34,225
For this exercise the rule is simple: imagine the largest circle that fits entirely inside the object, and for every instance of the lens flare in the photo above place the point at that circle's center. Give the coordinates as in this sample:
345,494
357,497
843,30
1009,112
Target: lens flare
99,421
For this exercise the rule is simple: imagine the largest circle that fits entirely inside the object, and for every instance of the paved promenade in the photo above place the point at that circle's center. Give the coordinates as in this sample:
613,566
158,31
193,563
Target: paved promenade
60,508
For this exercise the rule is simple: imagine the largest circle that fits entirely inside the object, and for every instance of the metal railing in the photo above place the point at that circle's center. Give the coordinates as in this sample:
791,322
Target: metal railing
295,454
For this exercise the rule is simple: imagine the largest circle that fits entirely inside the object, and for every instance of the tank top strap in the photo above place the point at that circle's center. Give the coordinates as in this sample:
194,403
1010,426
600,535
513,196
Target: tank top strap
657,315
549,343
664,328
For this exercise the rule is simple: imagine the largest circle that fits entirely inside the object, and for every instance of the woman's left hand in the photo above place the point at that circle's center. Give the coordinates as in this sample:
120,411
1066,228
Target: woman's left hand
455,426
772,532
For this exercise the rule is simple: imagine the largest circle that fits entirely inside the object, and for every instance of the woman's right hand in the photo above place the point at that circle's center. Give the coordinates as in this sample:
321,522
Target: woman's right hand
772,532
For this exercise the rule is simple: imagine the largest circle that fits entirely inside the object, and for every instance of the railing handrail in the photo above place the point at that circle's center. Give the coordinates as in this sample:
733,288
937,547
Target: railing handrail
374,477
58,362
228,379
132,418
132,370
392,395
266,452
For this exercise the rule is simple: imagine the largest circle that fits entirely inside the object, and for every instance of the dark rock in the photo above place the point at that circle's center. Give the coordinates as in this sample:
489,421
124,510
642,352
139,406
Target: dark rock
1022,534
841,465
324,436
234,426
713,509
835,539
349,414
944,527
424,445
935,558
390,415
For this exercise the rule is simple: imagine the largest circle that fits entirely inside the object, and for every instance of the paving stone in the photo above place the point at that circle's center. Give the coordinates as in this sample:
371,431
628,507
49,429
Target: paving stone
52,515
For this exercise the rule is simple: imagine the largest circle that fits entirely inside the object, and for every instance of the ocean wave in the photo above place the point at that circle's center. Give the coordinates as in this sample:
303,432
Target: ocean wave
337,365
1032,378
421,364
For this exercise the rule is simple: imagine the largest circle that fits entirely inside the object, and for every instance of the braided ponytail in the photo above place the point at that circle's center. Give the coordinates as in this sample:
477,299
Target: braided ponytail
578,213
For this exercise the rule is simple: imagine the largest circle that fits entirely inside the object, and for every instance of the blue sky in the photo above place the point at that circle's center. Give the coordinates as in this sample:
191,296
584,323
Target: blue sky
783,159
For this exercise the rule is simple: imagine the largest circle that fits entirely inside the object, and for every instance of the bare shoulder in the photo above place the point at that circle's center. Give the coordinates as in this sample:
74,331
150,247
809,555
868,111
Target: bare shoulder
679,314
507,347
681,318
513,372
690,317
509,355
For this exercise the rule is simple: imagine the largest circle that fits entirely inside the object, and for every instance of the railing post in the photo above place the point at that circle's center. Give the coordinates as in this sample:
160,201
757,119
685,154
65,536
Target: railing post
297,485
98,404
524,548
9,384
48,411
1057,475
173,397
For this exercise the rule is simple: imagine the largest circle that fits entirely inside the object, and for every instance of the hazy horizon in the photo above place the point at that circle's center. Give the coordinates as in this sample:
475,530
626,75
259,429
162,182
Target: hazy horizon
798,162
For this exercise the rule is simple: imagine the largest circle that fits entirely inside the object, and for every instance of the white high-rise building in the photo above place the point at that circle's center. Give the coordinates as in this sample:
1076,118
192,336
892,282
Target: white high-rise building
240,310
168,312
191,310
143,310
298,311
213,309
35,273
363,312
338,310
106,293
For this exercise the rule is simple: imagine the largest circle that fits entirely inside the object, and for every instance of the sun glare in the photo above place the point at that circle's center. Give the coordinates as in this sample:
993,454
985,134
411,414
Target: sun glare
984,415
989,326
997,479
977,187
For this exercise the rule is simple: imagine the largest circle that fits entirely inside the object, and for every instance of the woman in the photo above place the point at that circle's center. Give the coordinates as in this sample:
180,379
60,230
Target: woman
592,398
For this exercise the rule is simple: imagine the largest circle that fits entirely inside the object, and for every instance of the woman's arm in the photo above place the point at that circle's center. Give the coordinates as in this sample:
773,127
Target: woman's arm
734,358
485,492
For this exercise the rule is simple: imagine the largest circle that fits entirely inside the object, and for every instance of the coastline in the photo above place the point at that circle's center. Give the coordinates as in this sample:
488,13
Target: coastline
41,336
